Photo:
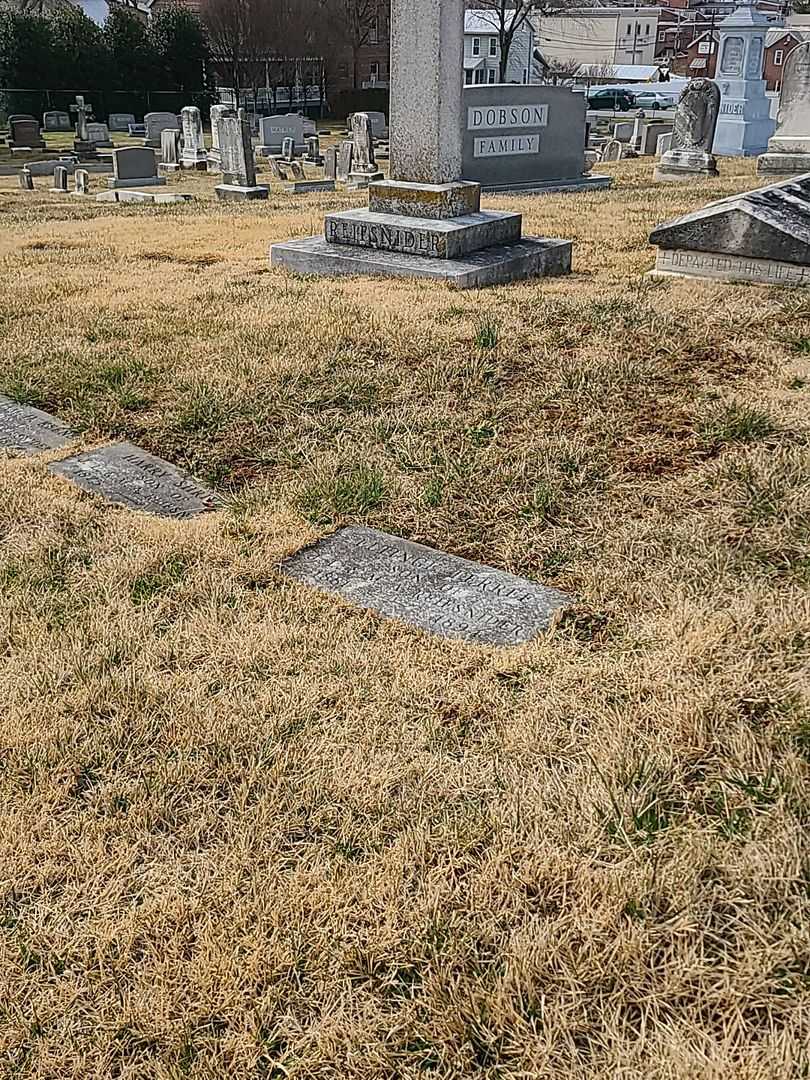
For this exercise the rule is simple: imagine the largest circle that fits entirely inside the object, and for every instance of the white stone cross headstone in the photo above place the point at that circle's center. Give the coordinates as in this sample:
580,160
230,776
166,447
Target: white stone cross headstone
83,113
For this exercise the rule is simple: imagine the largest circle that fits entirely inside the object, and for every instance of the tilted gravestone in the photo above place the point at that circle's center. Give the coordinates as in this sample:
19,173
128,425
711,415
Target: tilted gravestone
56,121
760,236
238,165
131,477
789,148
440,593
214,155
364,165
28,430
194,155
344,160
134,166
690,151
613,150
393,238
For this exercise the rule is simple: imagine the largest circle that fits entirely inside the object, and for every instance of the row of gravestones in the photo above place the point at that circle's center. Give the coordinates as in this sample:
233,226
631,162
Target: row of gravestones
396,578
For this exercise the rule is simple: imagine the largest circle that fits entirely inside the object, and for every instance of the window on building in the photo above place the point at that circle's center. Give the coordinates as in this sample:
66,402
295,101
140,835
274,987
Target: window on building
374,33
525,76
480,76
778,57
493,46
662,35
492,75
468,77
629,29
374,70
647,30
476,46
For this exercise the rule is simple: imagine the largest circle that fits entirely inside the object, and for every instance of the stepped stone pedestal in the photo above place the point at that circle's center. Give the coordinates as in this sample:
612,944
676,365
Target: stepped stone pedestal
426,221
415,230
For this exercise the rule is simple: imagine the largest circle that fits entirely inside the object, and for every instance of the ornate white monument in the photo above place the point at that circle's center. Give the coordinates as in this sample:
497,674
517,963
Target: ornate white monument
744,124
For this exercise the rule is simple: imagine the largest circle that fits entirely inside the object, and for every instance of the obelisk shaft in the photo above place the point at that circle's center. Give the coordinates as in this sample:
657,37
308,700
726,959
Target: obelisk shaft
427,72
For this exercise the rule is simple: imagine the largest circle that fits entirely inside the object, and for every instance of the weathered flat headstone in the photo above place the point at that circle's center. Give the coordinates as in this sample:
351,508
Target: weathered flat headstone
761,236
364,165
29,430
690,150
441,593
169,151
789,149
214,154
127,475
344,160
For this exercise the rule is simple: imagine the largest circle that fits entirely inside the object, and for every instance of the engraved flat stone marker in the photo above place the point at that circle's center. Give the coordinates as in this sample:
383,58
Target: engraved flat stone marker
30,430
441,593
125,474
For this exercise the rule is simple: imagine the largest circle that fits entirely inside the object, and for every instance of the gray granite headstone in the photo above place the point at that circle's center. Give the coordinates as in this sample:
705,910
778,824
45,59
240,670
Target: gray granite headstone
127,475
155,122
761,236
56,121
437,592
29,430
25,133
134,166
273,130
120,121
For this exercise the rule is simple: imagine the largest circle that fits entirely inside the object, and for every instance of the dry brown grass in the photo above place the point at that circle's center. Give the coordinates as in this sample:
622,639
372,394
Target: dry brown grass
248,831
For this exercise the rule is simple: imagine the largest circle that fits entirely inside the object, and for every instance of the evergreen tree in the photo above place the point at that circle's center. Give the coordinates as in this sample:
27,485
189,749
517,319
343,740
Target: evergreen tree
80,57
134,62
181,47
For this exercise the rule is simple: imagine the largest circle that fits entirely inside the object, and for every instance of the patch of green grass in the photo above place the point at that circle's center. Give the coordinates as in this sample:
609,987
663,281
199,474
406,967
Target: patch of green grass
160,579
487,334
733,422
542,502
353,492
201,410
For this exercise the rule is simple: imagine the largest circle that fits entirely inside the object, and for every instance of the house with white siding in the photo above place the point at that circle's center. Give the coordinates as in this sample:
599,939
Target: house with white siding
482,53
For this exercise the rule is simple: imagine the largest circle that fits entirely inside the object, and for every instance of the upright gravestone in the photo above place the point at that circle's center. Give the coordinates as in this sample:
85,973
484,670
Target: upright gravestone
690,151
288,149
26,179
169,151
789,149
364,164
214,160
760,236
344,160
82,144
24,132
273,130
194,155
56,120
330,164
60,180
238,166
526,138
155,122
426,221
81,182
117,121
99,136
314,156
134,167
744,125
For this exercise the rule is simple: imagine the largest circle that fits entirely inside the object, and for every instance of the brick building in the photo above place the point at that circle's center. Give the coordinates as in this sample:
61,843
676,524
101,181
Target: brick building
778,43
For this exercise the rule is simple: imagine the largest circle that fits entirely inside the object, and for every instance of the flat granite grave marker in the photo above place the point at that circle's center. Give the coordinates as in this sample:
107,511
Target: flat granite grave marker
127,475
441,593
29,430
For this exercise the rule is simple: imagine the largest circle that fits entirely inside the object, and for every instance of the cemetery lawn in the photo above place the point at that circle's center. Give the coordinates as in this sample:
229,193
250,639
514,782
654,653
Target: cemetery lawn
250,831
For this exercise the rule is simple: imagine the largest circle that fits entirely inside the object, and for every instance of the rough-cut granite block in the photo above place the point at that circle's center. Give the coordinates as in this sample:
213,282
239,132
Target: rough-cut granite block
435,201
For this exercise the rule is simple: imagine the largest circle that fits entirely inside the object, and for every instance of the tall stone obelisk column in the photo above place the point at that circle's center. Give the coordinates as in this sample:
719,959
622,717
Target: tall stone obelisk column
427,70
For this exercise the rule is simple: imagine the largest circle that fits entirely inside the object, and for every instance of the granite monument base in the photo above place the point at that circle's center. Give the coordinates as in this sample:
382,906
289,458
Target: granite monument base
530,257
587,182
782,164
304,187
234,193
436,201
168,167
451,238
143,181
685,165
731,268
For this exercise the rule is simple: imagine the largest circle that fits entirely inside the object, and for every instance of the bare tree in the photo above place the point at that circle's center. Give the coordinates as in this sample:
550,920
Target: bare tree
353,24
242,34
509,17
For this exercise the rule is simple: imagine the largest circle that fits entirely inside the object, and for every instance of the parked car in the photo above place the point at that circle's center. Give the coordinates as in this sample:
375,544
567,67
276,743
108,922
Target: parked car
608,97
651,99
